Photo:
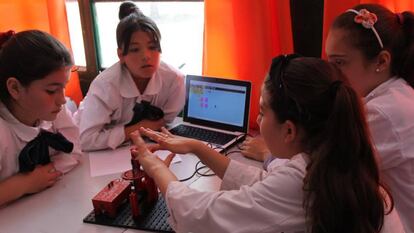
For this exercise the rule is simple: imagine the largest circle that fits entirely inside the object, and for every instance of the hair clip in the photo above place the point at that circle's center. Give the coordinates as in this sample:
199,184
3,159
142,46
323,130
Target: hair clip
367,20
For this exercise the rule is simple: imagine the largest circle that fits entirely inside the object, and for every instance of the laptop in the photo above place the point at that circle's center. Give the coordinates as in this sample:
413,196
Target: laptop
216,111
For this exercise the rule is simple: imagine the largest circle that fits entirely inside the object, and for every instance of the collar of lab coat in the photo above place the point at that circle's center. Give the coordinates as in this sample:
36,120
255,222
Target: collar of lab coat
382,88
24,132
128,89
277,162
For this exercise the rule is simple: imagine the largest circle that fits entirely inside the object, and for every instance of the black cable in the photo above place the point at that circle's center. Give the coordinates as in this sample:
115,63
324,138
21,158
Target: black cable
185,179
197,170
233,151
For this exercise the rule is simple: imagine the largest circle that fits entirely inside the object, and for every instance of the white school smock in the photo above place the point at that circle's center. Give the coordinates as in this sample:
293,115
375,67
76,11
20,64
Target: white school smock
251,200
390,116
14,135
108,105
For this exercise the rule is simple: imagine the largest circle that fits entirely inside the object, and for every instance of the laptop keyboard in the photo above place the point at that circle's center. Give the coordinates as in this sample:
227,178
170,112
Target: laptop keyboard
202,134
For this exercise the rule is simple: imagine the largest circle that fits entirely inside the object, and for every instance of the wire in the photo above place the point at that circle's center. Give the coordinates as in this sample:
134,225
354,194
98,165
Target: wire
185,179
232,152
199,170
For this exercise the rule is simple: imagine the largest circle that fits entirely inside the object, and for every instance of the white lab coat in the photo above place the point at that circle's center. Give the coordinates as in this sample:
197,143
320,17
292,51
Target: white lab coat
109,104
251,200
390,116
14,136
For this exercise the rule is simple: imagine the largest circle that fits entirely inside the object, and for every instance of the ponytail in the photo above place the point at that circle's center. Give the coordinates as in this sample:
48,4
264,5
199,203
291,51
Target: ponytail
343,172
407,66
4,37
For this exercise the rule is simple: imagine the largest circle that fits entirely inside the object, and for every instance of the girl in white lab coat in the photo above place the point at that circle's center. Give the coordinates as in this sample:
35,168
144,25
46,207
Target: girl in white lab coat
311,116
38,139
139,90
374,47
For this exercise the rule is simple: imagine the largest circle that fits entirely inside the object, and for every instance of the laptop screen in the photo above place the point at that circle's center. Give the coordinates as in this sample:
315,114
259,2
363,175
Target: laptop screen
219,103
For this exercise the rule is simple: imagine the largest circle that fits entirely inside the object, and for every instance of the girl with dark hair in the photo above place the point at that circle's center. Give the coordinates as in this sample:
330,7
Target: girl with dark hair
374,47
139,90
38,140
310,116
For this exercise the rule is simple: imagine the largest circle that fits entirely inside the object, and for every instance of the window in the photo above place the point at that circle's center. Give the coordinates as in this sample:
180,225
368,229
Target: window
181,24
75,32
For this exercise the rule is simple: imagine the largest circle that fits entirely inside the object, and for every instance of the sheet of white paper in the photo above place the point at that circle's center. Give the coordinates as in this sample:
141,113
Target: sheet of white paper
107,162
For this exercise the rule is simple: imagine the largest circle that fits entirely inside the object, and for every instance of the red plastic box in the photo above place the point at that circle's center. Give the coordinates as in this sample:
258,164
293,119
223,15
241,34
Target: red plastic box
111,197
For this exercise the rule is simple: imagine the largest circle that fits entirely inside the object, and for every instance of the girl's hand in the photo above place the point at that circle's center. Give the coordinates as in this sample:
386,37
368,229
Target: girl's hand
41,178
150,162
155,125
255,148
168,141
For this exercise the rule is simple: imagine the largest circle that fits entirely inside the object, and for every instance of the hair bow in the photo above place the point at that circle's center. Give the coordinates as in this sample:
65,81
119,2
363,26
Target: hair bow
366,18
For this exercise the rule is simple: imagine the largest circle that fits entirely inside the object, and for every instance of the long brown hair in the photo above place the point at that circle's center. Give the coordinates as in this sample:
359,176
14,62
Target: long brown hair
396,32
342,188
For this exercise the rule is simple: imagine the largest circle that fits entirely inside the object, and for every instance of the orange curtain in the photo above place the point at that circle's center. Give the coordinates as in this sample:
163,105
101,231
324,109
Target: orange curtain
241,37
334,8
45,15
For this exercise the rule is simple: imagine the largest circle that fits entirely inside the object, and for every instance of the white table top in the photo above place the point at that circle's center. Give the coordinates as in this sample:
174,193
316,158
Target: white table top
62,207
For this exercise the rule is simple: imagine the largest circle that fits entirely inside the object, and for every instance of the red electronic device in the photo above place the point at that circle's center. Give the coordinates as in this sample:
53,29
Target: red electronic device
111,197
142,198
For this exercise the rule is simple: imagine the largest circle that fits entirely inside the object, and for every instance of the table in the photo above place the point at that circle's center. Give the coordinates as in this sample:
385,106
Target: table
61,208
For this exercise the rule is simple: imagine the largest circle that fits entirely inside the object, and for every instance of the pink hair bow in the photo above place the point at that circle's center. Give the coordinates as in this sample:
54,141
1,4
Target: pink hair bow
366,18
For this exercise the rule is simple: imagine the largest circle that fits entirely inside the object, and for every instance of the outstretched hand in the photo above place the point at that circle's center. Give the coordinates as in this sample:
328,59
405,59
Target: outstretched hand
168,141
149,161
